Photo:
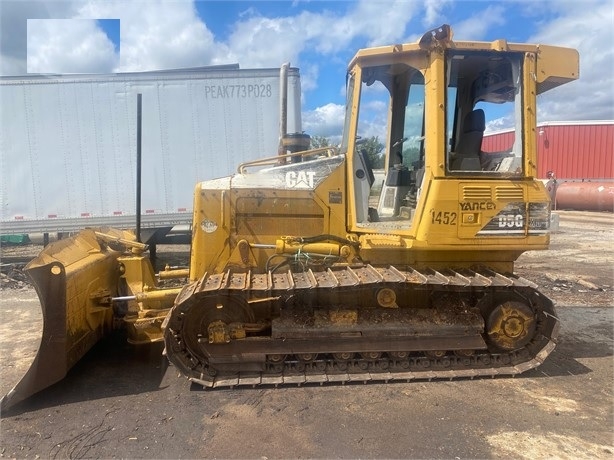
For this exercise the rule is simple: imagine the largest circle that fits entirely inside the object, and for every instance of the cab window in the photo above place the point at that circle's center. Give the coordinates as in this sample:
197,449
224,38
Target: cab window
484,122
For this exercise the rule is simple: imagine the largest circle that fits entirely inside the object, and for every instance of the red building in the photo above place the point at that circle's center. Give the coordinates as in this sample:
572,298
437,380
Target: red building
571,149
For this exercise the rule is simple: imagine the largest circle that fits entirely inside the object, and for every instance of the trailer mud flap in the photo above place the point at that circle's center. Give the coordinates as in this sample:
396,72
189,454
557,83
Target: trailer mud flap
74,279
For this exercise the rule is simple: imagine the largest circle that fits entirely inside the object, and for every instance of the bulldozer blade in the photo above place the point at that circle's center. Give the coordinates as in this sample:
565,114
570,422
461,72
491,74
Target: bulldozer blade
74,279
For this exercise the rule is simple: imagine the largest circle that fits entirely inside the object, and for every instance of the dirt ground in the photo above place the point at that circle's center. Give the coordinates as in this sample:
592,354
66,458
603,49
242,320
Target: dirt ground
122,401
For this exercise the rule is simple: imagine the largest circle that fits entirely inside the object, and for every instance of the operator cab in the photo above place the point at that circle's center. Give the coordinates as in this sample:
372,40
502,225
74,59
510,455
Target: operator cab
395,137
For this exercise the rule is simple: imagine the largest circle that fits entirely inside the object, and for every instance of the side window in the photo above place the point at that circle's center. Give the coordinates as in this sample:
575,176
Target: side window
484,113
413,129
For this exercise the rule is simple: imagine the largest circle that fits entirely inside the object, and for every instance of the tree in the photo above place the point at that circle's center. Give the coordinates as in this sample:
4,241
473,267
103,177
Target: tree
371,145
319,142
373,148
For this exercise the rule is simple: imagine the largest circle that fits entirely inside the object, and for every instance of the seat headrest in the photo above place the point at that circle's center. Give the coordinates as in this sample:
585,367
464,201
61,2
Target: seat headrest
474,121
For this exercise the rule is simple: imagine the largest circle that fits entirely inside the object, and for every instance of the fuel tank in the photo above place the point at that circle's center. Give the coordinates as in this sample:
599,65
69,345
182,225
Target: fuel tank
585,196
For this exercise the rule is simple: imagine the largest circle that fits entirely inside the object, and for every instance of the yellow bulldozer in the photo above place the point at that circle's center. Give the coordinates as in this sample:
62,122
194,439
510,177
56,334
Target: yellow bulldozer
309,267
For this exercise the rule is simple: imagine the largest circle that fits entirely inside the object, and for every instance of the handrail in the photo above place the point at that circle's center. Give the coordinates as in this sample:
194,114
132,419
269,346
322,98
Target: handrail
281,159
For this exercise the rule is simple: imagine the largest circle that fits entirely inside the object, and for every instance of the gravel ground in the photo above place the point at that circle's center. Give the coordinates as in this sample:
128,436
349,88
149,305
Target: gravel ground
122,401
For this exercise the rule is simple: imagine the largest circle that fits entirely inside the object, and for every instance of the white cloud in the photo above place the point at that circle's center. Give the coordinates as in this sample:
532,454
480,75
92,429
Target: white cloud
167,34
499,124
13,29
325,121
267,42
68,46
309,76
373,116
479,25
260,41
383,23
589,28
156,34
159,34
433,12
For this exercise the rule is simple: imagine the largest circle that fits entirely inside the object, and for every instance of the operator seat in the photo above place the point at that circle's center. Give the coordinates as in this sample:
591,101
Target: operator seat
366,165
466,156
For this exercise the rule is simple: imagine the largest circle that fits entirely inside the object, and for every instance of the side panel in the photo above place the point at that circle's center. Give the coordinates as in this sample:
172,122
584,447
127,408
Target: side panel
485,215
238,220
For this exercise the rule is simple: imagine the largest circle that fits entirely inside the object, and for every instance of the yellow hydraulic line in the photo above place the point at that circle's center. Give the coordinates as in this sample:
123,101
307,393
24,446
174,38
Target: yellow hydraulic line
129,243
172,274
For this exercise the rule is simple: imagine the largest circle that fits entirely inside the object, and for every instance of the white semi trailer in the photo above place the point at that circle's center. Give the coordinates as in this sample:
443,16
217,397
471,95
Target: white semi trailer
68,142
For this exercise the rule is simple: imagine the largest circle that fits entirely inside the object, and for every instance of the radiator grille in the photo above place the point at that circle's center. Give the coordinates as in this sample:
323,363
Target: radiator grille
509,193
477,192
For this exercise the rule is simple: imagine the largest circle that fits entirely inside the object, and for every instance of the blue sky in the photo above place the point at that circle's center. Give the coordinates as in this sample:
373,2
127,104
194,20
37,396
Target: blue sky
111,28
319,37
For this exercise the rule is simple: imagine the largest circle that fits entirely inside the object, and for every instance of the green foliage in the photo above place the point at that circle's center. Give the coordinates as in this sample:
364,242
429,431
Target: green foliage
371,145
373,148
411,155
319,142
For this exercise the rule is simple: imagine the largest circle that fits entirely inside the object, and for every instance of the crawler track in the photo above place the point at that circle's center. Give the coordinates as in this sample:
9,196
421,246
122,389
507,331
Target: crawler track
439,328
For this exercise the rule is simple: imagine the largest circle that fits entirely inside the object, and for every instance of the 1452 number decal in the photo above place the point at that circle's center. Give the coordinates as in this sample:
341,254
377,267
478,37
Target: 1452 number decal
443,217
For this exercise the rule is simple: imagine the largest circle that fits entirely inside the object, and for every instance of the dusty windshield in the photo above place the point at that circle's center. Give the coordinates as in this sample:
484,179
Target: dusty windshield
484,113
